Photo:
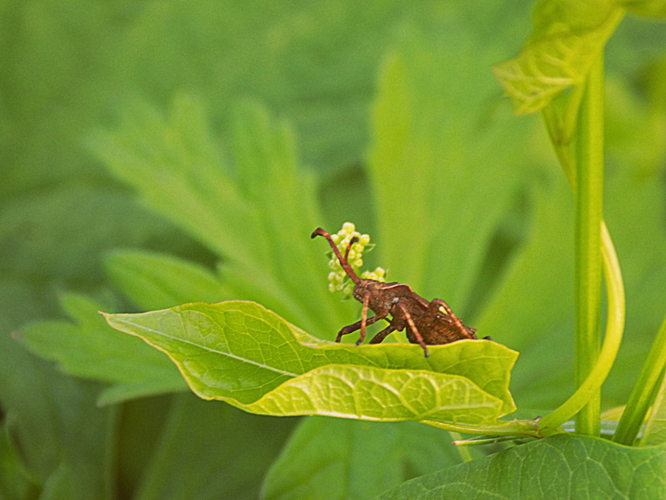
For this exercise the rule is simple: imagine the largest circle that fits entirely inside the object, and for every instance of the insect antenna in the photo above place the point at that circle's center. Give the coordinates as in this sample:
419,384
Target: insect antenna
343,260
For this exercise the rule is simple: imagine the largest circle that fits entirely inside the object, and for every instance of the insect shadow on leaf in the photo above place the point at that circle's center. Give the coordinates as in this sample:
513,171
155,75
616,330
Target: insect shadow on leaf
427,323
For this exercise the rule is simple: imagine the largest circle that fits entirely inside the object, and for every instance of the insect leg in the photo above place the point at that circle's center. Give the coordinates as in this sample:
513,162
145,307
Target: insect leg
358,325
434,306
364,318
413,328
377,339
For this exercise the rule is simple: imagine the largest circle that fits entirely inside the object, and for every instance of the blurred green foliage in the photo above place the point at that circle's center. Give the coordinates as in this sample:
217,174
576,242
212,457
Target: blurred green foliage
347,75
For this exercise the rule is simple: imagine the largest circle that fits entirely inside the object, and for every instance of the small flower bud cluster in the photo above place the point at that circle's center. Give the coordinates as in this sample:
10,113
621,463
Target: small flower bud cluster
378,274
338,279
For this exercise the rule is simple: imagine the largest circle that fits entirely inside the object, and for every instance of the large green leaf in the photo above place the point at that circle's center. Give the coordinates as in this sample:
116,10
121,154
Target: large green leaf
232,207
558,467
242,353
328,459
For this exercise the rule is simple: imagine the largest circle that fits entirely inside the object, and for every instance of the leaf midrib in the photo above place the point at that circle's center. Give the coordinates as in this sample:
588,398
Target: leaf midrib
221,353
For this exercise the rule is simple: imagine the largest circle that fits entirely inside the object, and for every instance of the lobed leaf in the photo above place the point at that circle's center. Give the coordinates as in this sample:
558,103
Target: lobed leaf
90,348
175,164
242,353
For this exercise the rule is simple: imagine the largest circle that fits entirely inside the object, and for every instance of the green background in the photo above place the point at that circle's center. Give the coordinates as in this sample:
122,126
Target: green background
347,75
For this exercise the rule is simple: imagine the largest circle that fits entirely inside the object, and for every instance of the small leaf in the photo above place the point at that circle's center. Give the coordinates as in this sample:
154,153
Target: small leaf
568,36
244,354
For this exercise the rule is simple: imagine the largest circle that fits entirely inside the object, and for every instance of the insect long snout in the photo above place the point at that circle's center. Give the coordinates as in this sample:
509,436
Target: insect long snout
343,259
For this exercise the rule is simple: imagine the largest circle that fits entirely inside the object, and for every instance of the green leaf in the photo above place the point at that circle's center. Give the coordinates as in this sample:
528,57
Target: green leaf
176,166
63,437
90,348
445,164
578,467
15,481
248,356
567,37
649,8
42,233
210,451
328,459
531,309
179,171
156,281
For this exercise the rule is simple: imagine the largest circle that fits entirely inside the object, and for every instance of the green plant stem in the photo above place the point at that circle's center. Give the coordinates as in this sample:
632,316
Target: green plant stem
464,452
589,205
612,339
524,428
644,391
560,135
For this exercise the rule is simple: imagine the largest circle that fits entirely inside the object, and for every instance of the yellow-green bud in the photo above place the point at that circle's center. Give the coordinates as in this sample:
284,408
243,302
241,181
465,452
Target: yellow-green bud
337,278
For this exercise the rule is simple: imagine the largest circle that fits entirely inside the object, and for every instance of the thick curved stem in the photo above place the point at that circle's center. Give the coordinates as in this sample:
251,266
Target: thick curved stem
614,329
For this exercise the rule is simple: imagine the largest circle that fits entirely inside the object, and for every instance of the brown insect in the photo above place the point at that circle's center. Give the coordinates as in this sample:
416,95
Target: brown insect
425,322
